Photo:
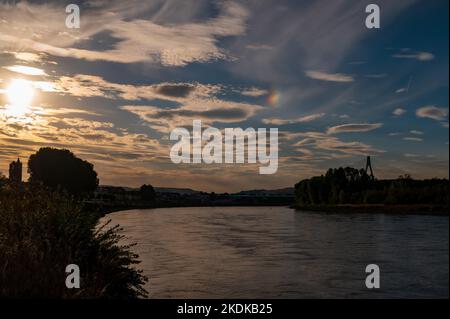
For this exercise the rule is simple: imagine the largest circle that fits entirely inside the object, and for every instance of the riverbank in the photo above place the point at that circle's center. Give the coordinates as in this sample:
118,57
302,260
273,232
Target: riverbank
377,209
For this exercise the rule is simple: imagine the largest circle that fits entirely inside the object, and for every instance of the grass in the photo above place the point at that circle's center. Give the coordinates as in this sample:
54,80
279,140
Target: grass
41,232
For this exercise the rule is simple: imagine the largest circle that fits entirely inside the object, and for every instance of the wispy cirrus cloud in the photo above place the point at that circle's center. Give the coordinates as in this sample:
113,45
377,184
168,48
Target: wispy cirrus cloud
323,142
420,56
413,139
352,128
254,92
329,77
303,119
376,76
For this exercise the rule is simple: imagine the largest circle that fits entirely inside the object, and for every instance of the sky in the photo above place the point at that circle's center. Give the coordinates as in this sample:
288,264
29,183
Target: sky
113,90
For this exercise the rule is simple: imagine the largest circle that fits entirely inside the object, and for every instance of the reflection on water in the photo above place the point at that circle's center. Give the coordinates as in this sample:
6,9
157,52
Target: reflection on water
276,252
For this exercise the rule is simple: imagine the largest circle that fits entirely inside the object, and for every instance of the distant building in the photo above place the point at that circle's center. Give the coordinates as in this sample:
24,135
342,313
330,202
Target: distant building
15,171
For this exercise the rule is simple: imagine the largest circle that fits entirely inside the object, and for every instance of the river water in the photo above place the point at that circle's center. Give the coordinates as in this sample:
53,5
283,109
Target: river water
277,252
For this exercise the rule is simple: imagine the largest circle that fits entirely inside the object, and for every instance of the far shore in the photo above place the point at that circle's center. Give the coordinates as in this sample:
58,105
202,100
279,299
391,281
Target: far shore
377,209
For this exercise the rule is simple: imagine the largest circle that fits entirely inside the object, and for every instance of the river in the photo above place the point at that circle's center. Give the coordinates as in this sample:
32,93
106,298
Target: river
277,252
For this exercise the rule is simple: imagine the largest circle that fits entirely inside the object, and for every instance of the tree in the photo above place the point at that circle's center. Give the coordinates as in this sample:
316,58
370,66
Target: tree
60,169
147,193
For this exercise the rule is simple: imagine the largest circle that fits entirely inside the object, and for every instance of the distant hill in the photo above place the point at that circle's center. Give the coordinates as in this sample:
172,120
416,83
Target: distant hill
188,191
284,191
182,191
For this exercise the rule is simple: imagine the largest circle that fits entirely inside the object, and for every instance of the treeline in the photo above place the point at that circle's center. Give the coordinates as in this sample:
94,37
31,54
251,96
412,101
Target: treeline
352,186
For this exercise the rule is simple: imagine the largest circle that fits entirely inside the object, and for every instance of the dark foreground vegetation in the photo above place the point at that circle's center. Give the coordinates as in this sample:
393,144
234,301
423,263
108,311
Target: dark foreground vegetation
43,229
350,189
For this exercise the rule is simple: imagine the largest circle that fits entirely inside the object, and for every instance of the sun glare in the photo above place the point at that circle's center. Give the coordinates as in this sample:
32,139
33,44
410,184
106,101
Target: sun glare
20,95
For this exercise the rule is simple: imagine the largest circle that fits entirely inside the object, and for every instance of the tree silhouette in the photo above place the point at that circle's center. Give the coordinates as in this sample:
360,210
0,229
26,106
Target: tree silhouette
147,193
61,169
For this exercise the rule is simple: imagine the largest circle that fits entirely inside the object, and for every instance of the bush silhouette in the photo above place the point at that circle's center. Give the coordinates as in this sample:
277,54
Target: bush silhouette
41,232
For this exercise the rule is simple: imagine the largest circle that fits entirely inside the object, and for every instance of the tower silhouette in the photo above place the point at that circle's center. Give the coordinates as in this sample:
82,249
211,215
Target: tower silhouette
15,171
369,167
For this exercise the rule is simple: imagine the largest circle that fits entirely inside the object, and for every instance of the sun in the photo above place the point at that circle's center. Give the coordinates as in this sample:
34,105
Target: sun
20,94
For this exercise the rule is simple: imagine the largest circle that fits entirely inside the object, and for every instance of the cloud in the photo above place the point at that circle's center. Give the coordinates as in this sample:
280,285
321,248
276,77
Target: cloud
254,92
413,139
44,86
208,110
46,128
259,47
376,76
352,148
399,111
27,70
91,86
432,112
323,76
175,90
411,155
136,39
303,119
350,128
420,56
61,111
180,32
194,100
401,90
324,142
415,132
28,56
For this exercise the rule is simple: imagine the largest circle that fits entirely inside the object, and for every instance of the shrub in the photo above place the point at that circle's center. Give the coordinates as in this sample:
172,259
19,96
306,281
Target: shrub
41,232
